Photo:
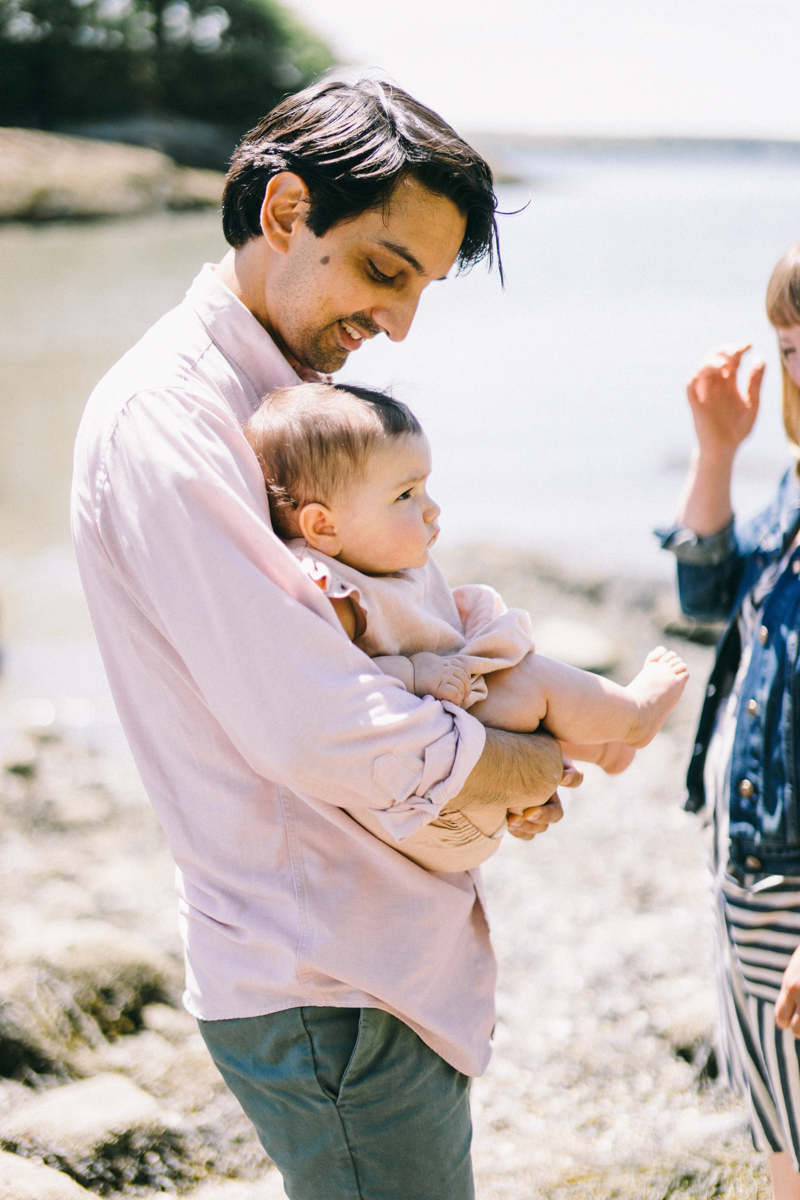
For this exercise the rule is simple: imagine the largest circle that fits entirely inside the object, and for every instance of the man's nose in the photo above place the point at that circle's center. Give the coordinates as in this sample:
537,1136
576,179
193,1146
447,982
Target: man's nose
395,317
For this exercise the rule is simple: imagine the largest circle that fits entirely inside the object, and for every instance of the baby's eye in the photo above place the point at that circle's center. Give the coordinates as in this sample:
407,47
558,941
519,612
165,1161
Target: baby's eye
405,495
787,350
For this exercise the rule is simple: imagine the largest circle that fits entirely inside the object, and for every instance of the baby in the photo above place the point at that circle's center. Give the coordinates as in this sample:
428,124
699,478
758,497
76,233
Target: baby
346,471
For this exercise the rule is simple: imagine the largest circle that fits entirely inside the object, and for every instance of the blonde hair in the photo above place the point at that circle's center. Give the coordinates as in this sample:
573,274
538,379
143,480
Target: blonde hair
783,310
313,442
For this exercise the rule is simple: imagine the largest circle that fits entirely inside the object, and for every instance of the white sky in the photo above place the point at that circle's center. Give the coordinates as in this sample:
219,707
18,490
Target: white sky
635,67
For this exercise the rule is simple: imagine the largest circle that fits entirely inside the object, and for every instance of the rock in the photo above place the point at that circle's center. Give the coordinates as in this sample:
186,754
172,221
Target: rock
44,176
27,1179
175,1024
79,1117
107,1133
113,974
577,643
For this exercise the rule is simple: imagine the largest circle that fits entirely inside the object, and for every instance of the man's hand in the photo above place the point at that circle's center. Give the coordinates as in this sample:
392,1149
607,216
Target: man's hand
440,677
515,771
535,820
538,818
787,1009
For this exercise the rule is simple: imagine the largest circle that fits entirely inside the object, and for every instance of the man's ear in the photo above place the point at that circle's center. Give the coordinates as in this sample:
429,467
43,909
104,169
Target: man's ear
318,526
284,209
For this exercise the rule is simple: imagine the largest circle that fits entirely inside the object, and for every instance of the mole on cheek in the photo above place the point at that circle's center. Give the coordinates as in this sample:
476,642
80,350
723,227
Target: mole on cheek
325,260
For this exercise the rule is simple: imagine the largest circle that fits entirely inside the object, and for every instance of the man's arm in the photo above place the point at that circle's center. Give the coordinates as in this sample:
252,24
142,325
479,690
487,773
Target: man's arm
515,770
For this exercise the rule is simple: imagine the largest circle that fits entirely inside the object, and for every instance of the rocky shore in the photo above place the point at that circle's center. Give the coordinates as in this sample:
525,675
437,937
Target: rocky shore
49,176
603,1079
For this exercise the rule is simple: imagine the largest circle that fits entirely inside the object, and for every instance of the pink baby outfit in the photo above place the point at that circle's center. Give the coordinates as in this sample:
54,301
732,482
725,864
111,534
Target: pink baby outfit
413,611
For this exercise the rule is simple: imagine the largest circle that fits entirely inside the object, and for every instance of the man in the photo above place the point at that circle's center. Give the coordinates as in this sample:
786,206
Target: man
345,993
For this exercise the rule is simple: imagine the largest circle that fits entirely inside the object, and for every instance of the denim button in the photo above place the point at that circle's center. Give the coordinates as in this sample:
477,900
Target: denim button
746,789
795,566
752,863
752,708
763,635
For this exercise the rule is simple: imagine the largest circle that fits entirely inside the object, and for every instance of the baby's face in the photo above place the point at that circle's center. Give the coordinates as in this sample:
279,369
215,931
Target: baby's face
789,342
388,521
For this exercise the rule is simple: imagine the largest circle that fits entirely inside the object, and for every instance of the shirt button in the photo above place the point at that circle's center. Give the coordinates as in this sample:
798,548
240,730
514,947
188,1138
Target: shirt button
746,789
752,708
710,690
752,863
763,635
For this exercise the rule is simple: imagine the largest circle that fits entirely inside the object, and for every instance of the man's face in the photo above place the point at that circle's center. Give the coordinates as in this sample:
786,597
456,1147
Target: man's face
328,294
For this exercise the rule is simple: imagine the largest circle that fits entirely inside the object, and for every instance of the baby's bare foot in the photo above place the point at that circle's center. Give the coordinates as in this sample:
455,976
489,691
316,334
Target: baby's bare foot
656,690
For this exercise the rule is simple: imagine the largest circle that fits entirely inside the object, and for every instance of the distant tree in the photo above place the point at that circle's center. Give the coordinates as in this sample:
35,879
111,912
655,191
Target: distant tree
84,60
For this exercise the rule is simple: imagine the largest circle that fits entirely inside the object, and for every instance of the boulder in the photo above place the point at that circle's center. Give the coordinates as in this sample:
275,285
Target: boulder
78,1118
44,176
113,973
30,1179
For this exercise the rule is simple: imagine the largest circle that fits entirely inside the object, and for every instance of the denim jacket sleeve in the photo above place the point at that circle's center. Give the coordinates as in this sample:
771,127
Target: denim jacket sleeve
710,570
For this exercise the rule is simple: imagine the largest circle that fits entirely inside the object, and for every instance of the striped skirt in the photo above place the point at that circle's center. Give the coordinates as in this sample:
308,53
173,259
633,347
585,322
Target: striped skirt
756,934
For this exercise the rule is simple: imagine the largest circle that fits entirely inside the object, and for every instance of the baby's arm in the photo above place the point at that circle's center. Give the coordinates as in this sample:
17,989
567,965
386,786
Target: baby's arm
456,841
422,674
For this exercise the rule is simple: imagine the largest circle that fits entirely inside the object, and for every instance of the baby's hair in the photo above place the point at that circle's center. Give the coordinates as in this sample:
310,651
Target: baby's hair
783,310
313,442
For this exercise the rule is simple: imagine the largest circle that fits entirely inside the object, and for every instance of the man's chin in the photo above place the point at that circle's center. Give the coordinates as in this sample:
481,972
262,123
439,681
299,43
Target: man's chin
323,359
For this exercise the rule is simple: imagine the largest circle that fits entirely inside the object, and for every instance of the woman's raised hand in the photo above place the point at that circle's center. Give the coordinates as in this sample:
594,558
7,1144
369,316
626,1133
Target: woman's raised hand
723,416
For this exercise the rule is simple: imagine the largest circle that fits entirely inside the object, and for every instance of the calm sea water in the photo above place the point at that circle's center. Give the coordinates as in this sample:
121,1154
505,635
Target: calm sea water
555,407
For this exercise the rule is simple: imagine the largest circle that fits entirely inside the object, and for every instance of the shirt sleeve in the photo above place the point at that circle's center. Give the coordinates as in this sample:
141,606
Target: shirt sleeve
182,516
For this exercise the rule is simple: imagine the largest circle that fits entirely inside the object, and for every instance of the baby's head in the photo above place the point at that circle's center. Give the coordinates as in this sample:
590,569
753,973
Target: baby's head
346,469
783,310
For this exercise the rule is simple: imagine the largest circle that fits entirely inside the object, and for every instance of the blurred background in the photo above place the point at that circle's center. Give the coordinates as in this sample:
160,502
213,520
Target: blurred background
648,156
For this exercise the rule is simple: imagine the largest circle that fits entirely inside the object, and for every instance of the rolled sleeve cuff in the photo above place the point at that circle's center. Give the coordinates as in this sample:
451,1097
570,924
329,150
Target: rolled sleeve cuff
688,547
419,798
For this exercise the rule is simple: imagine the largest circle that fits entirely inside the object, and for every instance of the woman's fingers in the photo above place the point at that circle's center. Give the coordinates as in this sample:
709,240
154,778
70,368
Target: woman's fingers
786,1009
754,383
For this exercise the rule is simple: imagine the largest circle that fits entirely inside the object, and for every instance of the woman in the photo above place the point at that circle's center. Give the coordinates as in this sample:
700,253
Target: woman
746,760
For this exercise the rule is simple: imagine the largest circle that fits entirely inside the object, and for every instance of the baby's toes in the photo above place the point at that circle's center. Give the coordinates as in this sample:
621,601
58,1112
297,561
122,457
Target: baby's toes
657,655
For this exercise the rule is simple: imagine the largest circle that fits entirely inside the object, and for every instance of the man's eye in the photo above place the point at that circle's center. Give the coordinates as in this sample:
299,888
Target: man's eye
787,350
377,275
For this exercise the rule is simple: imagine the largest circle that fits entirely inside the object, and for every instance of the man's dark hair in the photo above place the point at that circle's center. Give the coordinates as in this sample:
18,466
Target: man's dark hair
352,144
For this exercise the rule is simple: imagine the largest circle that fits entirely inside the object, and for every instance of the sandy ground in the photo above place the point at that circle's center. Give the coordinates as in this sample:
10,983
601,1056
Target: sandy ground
601,1083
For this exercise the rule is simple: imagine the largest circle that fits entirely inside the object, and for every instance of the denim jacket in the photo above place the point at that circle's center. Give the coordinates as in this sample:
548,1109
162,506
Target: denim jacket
714,576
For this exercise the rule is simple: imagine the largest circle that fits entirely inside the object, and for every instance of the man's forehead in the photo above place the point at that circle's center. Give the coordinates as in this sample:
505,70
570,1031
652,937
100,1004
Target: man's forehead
413,227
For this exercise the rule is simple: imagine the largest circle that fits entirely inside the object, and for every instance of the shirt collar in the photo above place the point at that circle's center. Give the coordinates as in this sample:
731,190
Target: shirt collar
238,334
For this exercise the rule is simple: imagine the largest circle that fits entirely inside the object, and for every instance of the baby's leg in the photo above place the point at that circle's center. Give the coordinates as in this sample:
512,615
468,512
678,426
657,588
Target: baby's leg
579,707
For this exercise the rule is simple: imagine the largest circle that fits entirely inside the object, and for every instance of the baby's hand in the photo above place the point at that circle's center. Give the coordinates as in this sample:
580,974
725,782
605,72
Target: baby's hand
442,678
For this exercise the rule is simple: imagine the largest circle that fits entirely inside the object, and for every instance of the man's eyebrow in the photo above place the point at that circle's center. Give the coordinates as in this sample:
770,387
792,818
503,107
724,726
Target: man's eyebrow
404,253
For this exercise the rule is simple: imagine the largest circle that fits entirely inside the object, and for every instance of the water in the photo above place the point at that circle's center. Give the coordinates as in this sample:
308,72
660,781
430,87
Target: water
555,408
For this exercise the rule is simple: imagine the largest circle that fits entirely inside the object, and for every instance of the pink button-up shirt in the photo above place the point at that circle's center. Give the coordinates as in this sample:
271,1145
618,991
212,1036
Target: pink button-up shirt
254,721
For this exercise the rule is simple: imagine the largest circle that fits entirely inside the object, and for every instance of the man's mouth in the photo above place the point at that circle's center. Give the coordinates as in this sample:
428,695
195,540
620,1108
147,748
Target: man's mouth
351,337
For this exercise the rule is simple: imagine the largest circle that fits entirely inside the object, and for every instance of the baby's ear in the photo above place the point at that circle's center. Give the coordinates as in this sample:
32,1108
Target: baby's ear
317,525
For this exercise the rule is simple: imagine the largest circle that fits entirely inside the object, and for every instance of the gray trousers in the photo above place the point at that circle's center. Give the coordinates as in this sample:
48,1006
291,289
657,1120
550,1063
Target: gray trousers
349,1103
